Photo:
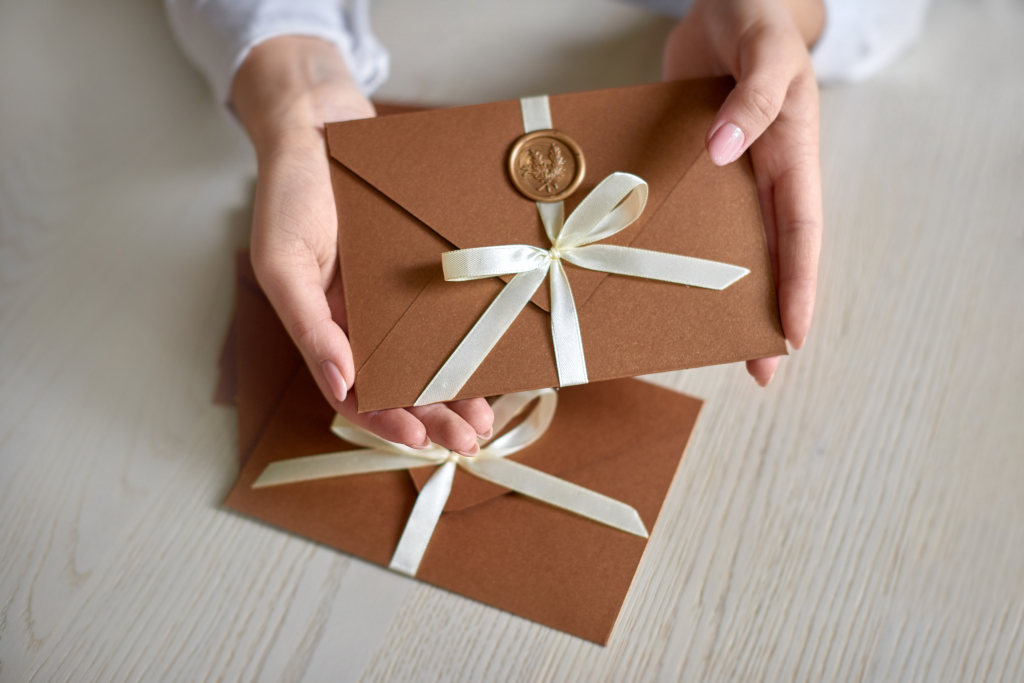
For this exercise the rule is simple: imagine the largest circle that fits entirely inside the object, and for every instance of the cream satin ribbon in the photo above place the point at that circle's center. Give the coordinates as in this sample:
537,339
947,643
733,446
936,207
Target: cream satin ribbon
381,456
613,205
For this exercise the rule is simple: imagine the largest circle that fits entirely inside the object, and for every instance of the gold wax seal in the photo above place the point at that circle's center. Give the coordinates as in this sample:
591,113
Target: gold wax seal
546,165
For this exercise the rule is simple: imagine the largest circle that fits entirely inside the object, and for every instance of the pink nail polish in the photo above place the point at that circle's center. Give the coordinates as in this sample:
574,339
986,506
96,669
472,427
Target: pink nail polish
486,435
471,452
726,144
337,383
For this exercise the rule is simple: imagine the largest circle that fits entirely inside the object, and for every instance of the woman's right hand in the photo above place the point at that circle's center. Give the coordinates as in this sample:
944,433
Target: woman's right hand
284,91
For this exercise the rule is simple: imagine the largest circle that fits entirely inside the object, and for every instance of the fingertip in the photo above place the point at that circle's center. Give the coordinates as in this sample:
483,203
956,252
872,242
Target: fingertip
417,442
339,387
464,444
726,144
796,321
477,413
447,427
763,369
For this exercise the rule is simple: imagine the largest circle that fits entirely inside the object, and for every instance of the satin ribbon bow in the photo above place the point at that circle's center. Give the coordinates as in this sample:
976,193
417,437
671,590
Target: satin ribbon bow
490,464
613,205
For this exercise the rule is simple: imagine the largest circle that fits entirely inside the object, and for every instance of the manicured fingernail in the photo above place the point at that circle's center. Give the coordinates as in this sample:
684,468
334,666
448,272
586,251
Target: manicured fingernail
726,144
471,452
486,435
334,378
767,381
798,343
425,444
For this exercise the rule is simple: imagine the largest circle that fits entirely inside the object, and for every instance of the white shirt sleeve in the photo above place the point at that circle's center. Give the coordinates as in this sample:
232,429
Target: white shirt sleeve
861,37
217,35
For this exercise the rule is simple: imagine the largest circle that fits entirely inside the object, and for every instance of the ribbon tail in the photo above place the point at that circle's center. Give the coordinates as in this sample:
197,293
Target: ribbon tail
558,492
423,520
475,346
655,265
339,464
565,331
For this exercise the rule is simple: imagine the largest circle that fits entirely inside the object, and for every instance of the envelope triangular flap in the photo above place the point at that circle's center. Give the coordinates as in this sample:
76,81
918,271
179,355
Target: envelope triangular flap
448,167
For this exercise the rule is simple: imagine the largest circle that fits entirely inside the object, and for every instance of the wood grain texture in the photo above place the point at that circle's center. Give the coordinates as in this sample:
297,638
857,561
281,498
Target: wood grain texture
859,520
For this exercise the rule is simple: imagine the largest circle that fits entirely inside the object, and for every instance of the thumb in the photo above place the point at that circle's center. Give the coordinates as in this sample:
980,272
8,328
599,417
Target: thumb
298,297
769,58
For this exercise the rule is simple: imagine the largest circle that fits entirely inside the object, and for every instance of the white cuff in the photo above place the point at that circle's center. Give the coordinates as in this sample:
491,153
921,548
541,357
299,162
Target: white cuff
862,37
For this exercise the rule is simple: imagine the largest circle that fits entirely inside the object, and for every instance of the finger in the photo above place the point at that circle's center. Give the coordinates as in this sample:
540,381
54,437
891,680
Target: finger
295,289
477,413
798,222
763,369
397,425
766,199
445,427
770,56
799,244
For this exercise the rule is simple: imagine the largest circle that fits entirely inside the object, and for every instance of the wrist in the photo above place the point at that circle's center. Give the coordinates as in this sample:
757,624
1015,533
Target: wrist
809,18
288,87
805,18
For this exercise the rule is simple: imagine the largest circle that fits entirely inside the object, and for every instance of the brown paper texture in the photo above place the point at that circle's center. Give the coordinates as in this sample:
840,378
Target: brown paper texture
623,438
412,186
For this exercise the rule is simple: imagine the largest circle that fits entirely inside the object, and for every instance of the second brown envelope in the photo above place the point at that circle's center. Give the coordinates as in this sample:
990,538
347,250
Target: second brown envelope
623,439
413,186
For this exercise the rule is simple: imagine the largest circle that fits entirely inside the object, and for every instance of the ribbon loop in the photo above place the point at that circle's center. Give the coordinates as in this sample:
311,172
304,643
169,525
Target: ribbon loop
613,205
507,407
484,262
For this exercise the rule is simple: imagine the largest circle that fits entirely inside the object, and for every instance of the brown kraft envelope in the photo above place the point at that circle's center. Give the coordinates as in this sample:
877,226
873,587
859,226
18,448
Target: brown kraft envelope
410,187
623,438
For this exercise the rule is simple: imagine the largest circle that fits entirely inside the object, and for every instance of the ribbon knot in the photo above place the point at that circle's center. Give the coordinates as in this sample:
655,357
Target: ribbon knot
491,465
612,206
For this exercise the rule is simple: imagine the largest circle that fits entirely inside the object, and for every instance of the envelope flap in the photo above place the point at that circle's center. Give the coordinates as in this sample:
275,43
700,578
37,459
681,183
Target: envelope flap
448,167
571,443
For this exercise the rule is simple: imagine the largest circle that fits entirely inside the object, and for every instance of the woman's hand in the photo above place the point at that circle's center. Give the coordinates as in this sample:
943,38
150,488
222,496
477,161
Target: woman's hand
773,110
283,93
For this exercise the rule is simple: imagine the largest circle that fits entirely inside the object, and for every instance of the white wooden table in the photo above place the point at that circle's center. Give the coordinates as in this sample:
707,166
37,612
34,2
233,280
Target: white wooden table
862,519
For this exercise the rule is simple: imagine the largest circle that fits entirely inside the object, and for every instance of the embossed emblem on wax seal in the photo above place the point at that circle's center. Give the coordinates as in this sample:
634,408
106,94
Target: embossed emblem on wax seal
546,165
